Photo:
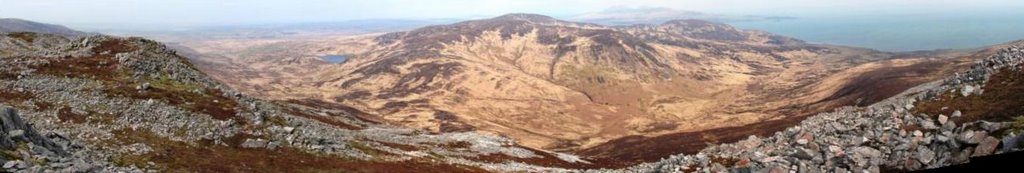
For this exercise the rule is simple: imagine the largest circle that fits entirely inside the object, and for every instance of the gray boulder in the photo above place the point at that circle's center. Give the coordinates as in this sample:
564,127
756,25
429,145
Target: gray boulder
17,131
986,147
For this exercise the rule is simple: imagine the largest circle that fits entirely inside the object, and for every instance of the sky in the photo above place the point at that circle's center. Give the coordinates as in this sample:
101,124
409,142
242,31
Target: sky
892,25
184,13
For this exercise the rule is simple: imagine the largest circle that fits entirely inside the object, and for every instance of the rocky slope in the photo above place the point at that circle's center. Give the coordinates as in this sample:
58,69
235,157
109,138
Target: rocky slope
971,114
109,104
132,105
570,86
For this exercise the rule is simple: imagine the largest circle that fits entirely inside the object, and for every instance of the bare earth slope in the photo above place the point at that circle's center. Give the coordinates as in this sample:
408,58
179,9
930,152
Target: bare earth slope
112,104
569,86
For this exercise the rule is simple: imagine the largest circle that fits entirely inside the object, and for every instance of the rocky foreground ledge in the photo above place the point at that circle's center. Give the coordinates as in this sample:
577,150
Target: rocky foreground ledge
26,150
900,134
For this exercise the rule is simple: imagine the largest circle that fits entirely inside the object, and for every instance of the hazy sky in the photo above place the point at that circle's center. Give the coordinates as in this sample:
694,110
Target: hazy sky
135,13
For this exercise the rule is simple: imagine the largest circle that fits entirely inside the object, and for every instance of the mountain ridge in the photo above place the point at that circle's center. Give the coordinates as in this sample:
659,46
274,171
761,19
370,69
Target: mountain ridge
589,83
8,25
130,104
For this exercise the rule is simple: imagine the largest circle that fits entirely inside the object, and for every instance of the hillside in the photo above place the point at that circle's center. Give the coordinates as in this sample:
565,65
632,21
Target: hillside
8,25
570,86
501,95
130,104
956,120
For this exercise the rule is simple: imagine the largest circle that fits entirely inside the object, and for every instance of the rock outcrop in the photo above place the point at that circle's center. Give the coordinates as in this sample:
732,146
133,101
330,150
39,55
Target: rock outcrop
25,149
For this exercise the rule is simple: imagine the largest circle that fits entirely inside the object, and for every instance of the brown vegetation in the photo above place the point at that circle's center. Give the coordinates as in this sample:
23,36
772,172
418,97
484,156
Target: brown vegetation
631,150
323,119
66,115
365,117
1001,100
9,96
27,36
174,156
211,102
876,85
104,67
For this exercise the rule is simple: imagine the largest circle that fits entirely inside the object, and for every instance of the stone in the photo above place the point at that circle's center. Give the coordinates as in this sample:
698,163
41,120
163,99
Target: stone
991,127
15,133
929,124
801,141
807,136
743,162
963,156
911,164
716,167
273,145
873,169
941,138
776,169
22,165
1012,143
949,126
986,147
254,143
943,119
803,154
12,164
835,149
967,90
13,126
862,156
289,130
957,113
977,137
769,159
918,133
867,152
925,155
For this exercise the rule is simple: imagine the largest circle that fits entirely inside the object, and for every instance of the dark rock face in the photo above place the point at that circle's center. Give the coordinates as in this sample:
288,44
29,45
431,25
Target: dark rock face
35,151
16,131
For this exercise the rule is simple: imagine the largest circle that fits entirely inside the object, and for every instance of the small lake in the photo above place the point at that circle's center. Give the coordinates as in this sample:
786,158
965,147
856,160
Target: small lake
335,58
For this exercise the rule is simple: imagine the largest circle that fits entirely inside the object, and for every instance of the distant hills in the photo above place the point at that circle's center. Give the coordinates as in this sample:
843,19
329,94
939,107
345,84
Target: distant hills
646,15
8,25
567,86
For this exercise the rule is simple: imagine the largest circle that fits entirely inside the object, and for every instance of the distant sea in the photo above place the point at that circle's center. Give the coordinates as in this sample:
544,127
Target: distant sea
900,32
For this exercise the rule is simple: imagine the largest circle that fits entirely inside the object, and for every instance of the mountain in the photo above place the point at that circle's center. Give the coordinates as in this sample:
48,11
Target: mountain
972,118
8,25
575,87
111,104
651,15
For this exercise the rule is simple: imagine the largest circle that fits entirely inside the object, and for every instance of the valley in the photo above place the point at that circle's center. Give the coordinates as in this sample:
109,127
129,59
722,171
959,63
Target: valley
574,87
518,92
